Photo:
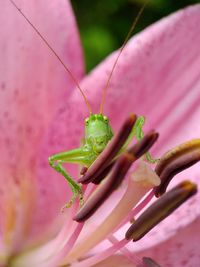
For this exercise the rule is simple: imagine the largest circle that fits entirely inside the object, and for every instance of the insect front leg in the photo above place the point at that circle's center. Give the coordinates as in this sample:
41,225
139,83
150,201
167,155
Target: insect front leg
136,131
77,156
139,134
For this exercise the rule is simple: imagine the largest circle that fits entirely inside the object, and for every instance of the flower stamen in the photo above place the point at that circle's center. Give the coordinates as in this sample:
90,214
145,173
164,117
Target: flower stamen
175,161
139,184
116,177
161,209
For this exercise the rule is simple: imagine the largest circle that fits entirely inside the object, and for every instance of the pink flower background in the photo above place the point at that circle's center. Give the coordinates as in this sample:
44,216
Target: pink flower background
41,113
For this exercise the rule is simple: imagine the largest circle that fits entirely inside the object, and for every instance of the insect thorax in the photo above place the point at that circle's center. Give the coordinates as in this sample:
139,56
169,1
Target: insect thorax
98,132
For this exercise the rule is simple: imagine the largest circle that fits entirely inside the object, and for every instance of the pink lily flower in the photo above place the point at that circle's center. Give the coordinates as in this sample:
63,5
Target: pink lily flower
42,113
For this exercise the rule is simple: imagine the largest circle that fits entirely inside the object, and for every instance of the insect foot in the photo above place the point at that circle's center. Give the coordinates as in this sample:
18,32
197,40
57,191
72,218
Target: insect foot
76,194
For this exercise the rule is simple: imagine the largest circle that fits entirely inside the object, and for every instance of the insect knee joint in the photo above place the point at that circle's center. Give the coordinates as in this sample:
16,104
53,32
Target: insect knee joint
51,162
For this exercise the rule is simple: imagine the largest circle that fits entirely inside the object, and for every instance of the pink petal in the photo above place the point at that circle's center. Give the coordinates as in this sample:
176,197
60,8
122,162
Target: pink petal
157,76
179,249
33,84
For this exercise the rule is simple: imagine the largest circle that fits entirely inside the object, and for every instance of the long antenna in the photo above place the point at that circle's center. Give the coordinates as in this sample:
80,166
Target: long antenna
119,54
55,54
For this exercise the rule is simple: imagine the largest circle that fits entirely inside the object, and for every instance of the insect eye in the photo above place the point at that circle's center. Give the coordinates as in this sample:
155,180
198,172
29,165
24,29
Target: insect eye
87,121
105,118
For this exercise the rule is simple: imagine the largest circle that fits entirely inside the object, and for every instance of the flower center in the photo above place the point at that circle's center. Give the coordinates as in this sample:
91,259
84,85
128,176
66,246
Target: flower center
100,181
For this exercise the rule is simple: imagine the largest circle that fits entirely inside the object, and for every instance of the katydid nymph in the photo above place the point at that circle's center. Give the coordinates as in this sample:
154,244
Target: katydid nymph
98,131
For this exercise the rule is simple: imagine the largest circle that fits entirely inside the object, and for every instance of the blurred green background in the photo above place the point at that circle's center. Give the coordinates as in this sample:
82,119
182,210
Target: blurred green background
103,24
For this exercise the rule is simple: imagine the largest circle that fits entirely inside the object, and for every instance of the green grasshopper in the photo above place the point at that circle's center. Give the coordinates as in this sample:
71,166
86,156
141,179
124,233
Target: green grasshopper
98,131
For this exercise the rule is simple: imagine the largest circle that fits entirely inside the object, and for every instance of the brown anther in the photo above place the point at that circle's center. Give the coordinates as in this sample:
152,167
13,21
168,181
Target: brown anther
160,209
148,262
174,153
137,150
83,170
141,147
175,161
110,151
112,182
104,173
117,175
